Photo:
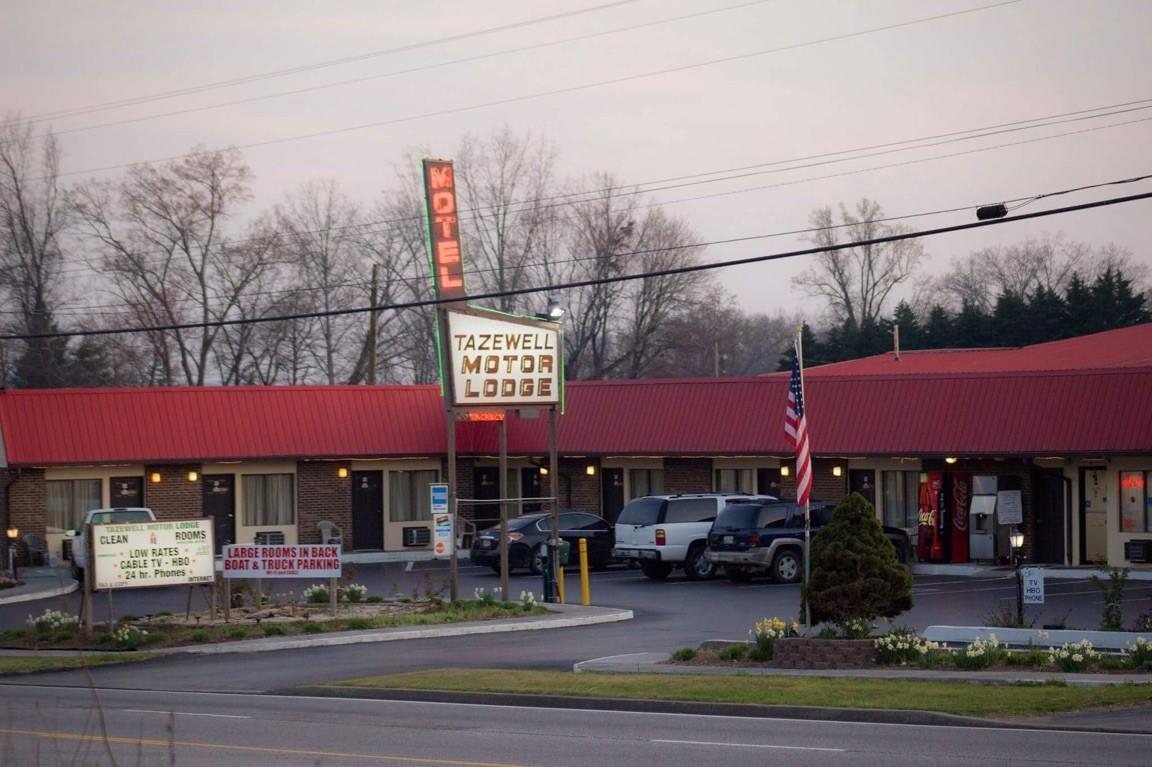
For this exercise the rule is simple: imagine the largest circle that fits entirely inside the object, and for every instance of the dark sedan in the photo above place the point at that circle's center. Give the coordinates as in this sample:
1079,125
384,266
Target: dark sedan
528,534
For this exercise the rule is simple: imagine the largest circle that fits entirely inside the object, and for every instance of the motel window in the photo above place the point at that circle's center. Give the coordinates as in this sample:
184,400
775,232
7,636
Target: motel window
645,482
67,501
409,499
901,498
735,481
1135,502
268,500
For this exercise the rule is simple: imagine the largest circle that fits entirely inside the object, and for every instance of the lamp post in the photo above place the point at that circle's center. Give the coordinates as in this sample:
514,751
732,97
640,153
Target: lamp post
12,533
1016,540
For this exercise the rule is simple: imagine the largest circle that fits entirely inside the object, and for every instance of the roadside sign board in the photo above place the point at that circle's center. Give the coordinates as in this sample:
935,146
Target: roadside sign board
1033,585
284,561
499,360
1009,510
442,543
143,554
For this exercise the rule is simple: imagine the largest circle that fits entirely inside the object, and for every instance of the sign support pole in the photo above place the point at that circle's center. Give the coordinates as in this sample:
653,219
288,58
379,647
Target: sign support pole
453,510
554,482
503,487
89,575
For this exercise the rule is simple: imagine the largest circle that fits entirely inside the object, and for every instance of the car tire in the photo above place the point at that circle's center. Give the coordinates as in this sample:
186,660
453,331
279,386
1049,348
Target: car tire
739,574
698,566
536,559
787,566
657,571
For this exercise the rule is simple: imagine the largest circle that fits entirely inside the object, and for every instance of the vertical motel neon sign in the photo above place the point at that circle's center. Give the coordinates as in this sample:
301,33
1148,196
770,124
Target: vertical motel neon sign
444,229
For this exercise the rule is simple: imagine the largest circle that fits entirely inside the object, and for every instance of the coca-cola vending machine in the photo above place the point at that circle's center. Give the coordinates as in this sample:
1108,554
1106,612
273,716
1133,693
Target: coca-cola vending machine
931,539
961,500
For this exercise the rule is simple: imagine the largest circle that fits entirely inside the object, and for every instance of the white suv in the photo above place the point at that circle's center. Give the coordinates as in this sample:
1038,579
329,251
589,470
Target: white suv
662,532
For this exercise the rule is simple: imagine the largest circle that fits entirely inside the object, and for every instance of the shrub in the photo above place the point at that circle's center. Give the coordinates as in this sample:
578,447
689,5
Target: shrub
1075,656
979,654
856,628
312,627
11,634
360,624
1140,654
274,631
238,633
129,637
199,636
54,621
354,592
855,573
1112,618
766,632
375,599
902,646
1143,623
684,654
733,652
316,594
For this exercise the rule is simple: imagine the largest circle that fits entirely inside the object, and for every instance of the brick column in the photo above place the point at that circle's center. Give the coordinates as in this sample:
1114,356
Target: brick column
174,497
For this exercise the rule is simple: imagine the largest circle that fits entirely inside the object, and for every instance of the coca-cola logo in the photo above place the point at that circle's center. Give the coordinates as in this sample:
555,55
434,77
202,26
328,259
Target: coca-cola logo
960,504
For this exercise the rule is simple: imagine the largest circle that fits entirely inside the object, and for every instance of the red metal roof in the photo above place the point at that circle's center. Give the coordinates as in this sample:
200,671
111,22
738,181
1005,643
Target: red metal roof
1040,413
1126,347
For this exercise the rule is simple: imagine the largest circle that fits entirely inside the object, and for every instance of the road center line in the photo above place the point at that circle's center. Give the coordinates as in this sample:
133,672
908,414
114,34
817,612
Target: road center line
182,713
745,745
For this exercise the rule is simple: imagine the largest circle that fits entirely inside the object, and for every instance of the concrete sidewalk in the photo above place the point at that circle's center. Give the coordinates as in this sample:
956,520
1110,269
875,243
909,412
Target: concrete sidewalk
39,583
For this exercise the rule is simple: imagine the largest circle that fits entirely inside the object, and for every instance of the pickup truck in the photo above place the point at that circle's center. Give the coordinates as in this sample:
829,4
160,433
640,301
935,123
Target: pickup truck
115,516
768,538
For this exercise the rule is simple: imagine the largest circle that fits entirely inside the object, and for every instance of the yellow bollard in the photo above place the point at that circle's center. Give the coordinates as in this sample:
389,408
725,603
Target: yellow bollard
585,595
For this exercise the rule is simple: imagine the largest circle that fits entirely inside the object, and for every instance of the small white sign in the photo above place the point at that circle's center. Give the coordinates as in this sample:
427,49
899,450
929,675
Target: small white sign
296,561
443,544
1009,510
1033,578
141,554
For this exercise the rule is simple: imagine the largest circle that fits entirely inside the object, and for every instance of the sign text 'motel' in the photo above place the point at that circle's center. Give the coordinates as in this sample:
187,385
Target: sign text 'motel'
444,229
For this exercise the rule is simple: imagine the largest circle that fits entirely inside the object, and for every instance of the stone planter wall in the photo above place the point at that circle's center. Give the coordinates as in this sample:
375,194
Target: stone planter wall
800,652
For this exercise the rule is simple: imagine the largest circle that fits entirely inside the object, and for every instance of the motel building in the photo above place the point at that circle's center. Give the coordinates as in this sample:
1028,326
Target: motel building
951,445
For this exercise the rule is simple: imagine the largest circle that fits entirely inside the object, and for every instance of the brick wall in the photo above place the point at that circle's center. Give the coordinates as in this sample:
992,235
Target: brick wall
322,495
687,475
580,491
27,499
174,497
826,487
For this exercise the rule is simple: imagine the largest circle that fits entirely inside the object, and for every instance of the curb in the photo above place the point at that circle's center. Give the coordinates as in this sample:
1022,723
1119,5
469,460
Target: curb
569,620
58,591
749,710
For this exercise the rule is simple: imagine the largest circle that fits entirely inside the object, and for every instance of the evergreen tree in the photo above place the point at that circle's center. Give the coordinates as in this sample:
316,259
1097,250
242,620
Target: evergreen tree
938,332
1078,303
1047,317
855,573
972,328
911,335
1114,303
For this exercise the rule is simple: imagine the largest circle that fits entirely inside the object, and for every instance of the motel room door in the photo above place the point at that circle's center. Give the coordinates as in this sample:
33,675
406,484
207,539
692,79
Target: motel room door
367,510
1093,516
220,505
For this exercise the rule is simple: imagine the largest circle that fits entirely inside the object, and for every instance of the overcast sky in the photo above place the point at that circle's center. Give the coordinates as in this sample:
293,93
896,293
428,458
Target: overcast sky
801,79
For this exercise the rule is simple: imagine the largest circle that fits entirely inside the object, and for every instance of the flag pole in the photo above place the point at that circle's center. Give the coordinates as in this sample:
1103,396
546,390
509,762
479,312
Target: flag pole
807,504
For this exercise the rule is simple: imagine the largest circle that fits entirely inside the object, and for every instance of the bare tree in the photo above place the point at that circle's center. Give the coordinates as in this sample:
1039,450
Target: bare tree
858,281
33,218
1047,263
163,248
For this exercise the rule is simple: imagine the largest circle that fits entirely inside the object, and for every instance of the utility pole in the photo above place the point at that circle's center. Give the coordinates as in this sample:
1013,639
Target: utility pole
373,325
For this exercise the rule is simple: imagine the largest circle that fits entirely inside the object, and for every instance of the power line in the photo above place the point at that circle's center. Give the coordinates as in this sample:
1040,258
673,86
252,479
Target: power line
555,91
598,281
857,153
132,101
408,71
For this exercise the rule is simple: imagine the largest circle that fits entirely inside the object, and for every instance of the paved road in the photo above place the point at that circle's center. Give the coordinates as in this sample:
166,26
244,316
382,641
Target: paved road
46,726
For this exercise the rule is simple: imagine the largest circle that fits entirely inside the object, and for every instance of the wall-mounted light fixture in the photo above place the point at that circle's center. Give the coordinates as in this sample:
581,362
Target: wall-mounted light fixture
590,470
193,476
543,471
785,471
155,477
342,472
837,471
13,533
950,459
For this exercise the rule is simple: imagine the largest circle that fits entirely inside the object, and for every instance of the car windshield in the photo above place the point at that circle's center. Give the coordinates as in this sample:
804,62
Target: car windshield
641,511
121,516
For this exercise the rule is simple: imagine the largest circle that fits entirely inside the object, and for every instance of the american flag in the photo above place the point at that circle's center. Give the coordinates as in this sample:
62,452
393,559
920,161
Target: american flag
796,429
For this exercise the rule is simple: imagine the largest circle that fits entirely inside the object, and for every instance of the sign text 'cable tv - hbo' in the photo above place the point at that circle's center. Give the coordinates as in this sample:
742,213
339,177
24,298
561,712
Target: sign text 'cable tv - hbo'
503,360
142,554
282,561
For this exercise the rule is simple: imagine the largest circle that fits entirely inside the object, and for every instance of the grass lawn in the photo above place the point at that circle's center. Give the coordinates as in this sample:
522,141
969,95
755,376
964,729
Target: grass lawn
944,697
11,664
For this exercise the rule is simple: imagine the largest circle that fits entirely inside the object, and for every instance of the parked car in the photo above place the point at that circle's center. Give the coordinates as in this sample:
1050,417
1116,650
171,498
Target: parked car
752,539
663,532
115,516
528,534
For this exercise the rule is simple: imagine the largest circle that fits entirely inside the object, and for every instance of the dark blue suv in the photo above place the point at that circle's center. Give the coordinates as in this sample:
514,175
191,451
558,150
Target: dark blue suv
768,539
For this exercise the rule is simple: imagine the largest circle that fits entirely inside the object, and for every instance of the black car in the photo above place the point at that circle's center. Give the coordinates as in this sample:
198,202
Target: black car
528,534
768,538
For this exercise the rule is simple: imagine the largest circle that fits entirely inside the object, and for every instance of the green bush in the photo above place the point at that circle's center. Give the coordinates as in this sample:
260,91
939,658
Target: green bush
274,631
199,636
359,624
312,627
375,599
1112,618
734,652
855,573
10,634
684,654
238,633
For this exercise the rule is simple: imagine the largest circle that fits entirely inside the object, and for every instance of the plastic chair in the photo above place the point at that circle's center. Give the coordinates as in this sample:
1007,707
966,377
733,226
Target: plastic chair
330,533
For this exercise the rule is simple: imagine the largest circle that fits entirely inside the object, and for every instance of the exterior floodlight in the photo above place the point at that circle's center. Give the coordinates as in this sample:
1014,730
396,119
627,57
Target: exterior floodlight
555,310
